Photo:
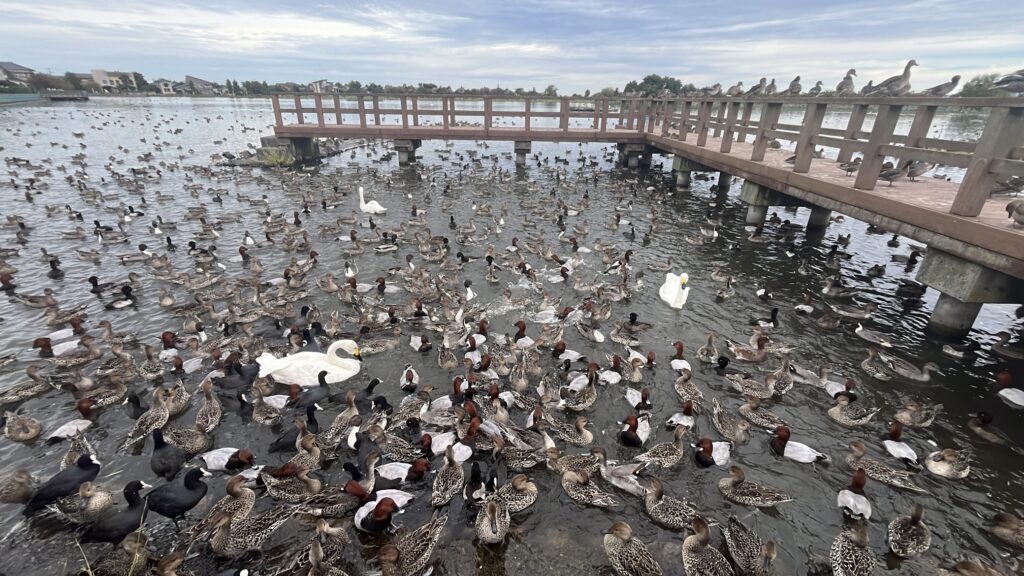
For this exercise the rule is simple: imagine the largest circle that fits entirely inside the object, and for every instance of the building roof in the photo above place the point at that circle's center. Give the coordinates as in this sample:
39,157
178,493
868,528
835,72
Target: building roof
12,67
196,79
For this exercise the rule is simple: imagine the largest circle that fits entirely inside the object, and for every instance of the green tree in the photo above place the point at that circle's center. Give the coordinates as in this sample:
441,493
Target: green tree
980,86
608,92
140,81
227,87
235,88
74,81
551,90
42,82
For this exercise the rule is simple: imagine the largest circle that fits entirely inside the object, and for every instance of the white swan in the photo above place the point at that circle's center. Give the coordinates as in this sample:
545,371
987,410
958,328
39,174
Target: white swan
371,207
303,368
675,291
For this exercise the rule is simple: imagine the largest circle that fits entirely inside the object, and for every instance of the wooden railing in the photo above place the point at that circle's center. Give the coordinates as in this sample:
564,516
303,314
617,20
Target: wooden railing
997,153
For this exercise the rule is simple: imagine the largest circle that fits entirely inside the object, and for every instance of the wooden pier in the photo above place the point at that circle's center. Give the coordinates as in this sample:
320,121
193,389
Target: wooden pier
975,255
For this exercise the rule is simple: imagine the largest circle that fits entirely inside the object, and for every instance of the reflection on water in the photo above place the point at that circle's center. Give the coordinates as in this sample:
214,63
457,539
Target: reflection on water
555,535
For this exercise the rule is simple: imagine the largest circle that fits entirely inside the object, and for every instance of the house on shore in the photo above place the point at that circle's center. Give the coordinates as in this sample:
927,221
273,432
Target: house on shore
166,86
109,80
16,73
322,87
198,86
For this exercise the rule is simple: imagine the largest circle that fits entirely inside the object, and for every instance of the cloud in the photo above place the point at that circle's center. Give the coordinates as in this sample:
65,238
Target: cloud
575,44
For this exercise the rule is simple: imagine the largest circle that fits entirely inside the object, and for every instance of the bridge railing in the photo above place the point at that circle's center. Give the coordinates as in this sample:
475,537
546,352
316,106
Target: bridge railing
526,113
996,154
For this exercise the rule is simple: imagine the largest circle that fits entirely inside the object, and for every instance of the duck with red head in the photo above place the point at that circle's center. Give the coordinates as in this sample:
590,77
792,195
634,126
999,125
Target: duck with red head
379,520
521,339
781,445
1014,397
45,346
635,431
852,500
898,448
679,362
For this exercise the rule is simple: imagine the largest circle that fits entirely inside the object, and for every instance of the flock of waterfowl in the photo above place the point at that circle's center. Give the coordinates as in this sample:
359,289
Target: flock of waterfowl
467,377
898,85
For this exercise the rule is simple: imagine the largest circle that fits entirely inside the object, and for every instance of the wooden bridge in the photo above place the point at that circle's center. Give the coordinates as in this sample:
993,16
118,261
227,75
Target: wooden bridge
975,255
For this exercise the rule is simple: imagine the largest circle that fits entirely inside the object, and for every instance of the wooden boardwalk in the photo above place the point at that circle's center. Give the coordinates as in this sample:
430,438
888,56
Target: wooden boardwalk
734,136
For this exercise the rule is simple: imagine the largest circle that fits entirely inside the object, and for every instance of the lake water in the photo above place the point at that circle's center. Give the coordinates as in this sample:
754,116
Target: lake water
556,535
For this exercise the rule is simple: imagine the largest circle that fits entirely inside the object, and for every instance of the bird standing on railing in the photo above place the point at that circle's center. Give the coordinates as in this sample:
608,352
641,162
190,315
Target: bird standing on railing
1015,209
713,90
816,90
944,88
845,86
868,88
794,87
1012,82
735,90
895,85
758,89
770,89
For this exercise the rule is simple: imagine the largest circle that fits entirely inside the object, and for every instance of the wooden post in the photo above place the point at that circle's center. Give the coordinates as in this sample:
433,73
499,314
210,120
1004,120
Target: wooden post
1003,132
405,118
362,111
881,134
597,114
276,99
805,141
770,112
919,129
415,110
526,109
702,123
451,111
298,108
337,110
444,112
730,127
318,99
684,120
720,118
853,126
563,118
487,113
748,110
641,115
376,110
604,114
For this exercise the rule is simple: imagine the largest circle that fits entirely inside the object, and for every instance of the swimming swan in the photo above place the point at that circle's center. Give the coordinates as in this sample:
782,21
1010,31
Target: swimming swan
302,368
371,207
675,291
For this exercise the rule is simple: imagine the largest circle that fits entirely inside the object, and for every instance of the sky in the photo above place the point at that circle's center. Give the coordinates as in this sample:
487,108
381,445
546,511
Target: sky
573,44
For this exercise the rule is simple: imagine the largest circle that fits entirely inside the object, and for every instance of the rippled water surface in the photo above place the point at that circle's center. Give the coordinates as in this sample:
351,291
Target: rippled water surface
556,535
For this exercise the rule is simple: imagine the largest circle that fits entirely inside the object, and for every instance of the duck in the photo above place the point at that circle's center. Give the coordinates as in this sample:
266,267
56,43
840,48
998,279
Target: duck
728,425
17,488
303,368
63,483
736,488
908,535
751,555
667,454
908,370
853,312
449,480
1013,397
1009,529
408,554
949,463
628,556
623,476
701,558
117,524
971,567
850,554
152,419
783,446
167,459
874,367
129,558
879,471
492,523
578,486
708,453
756,355
371,207
981,425
708,353
852,499
230,460
675,290
19,428
851,415
914,415
636,431
758,416
899,449
1001,348
235,536
876,338
192,440
666,511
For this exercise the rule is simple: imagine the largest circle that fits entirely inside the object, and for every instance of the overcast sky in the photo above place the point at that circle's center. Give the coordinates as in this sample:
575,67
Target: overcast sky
574,44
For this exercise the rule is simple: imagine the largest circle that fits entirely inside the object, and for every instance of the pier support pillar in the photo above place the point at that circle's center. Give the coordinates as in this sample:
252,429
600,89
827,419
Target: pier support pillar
304,149
630,155
724,182
758,198
522,150
819,218
406,151
683,168
964,287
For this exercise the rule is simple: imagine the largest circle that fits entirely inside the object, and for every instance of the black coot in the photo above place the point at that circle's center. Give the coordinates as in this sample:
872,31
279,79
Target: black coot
286,442
63,483
116,525
174,499
167,459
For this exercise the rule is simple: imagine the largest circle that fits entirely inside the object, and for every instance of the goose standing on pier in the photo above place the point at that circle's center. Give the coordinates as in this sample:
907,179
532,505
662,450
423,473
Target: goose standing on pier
845,86
1012,82
895,85
816,90
794,87
758,89
735,90
944,88
770,89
